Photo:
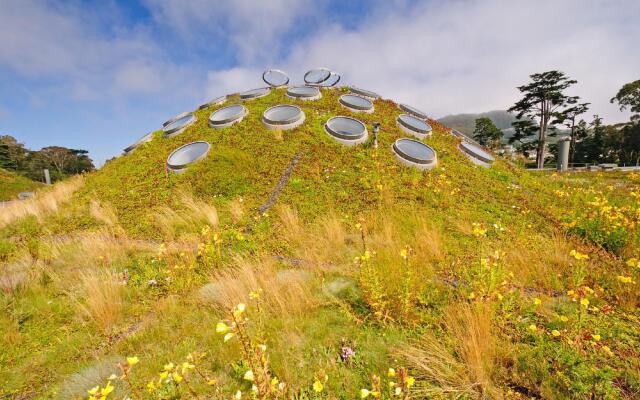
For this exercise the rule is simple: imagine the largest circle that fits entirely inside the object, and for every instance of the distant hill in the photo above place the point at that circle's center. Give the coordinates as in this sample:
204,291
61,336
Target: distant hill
466,123
11,184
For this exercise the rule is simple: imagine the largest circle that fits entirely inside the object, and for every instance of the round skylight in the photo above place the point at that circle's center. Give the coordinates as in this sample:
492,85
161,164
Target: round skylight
414,126
275,78
331,81
254,93
177,126
413,111
146,138
227,116
348,131
317,76
477,154
304,92
356,103
365,93
215,102
415,154
283,117
167,122
187,154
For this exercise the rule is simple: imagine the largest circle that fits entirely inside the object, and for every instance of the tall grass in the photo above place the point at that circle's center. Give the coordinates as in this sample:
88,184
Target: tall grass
100,299
462,368
193,212
280,293
43,203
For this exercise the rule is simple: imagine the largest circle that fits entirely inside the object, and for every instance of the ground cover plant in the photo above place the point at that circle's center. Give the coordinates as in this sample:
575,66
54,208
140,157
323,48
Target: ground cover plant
366,279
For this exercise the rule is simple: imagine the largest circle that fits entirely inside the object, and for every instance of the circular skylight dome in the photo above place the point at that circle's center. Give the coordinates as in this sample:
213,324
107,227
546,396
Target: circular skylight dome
304,92
317,76
146,138
476,154
331,81
413,111
177,126
254,93
365,93
283,117
414,126
167,122
187,154
356,103
227,116
348,131
215,102
275,78
415,154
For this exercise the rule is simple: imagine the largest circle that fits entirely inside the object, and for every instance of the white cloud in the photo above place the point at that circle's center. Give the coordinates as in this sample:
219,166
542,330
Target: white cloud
253,28
468,56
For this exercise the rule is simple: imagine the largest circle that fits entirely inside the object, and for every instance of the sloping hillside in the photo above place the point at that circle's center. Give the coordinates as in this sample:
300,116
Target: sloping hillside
366,278
466,123
12,184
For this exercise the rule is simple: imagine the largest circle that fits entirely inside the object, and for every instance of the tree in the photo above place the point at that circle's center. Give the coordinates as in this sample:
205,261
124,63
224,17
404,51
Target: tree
568,117
57,156
487,133
629,97
542,99
522,130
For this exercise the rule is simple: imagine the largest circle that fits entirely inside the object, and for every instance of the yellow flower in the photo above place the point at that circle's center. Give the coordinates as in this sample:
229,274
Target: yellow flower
633,262
571,292
248,376
410,381
625,279
403,254
132,360
168,367
533,327
478,230
211,382
584,301
596,337
238,395
151,386
537,301
564,318
391,373
240,308
555,333
499,296
228,336
274,382
364,393
93,390
578,256
317,386
107,389
177,377
221,327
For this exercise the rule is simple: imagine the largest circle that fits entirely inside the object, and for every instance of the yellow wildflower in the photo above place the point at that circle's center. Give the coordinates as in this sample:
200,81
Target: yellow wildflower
317,386
537,301
533,327
555,333
410,381
212,382
132,360
177,377
151,386
248,376
238,395
564,318
625,279
478,230
633,262
107,389
93,390
168,367
403,254
391,373
228,336
596,337
364,393
221,327
578,256
584,301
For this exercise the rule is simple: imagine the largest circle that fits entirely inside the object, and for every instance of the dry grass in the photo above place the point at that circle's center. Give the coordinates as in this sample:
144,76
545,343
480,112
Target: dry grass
14,276
43,203
237,211
194,212
282,293
539,261
101,298
103,212
463,371
325,244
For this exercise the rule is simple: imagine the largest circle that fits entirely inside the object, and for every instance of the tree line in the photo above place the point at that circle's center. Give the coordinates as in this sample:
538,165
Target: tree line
545,110
60,161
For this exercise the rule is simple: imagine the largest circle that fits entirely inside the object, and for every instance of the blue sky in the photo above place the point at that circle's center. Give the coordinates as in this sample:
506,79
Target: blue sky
99,74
